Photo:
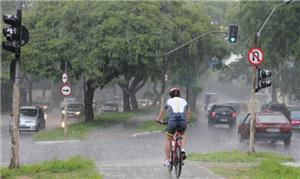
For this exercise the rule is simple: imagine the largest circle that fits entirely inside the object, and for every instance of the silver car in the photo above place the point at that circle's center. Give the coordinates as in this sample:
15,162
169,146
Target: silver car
32,118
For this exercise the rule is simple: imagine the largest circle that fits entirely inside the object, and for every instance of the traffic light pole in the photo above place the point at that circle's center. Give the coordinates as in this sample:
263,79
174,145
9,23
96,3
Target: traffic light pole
253,102
15,135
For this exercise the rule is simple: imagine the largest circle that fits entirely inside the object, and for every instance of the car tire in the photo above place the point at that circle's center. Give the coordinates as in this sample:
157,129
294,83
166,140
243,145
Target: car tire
287,142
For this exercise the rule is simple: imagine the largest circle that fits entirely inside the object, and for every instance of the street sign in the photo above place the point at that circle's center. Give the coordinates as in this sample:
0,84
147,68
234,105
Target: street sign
66,90
255,56
64,78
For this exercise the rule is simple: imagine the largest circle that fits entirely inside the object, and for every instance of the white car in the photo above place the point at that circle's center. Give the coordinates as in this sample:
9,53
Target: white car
32,118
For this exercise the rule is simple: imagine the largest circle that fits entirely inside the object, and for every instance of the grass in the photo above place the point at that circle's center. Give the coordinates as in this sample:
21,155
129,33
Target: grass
262,165
79,130
75,168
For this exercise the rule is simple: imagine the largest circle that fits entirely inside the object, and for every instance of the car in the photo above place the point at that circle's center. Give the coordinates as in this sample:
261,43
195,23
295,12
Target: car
74,110
110,107
270,126
279,108
32,118
142,103
208,108
295,119
222,114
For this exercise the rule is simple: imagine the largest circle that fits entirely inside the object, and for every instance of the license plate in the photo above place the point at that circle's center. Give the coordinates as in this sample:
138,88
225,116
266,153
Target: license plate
224,120
272,130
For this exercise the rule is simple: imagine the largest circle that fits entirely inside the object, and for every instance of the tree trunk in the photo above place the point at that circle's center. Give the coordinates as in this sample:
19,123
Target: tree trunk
133,101
29,82
88,101
126,102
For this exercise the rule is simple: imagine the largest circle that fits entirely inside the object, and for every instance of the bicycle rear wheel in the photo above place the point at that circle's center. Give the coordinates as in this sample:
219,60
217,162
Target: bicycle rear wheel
178,161
170,167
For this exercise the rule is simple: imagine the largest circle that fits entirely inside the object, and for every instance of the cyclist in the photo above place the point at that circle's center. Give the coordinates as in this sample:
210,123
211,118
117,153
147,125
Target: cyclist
179,114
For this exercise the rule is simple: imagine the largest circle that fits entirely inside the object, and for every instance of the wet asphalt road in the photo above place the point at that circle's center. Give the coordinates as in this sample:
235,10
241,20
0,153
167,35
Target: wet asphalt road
119,154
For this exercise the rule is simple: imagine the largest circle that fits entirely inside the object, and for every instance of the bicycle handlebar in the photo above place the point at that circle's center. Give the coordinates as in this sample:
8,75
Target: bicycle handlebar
162,123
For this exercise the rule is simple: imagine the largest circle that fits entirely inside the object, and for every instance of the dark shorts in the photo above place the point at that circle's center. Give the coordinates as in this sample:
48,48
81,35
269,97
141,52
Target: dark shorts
175,125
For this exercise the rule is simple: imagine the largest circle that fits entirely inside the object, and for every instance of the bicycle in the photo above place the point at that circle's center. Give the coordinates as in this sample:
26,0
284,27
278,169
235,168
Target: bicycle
176,157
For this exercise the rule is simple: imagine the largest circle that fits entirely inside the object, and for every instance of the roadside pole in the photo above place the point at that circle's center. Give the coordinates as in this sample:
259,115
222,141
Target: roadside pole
65,108
15,135
253,101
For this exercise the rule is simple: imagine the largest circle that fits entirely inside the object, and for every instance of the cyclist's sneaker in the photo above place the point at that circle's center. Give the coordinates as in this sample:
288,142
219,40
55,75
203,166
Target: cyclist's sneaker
167,163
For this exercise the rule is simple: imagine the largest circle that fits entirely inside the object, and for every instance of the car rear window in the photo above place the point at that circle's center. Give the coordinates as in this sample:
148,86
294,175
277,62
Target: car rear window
223,109
272,119
28,112
295,114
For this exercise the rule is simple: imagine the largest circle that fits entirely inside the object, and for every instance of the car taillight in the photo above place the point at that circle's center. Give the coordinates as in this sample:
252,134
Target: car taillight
234,114
213,114
295,122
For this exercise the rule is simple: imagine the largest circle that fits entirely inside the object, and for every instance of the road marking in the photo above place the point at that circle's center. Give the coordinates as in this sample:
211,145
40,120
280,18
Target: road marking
145,133
56,142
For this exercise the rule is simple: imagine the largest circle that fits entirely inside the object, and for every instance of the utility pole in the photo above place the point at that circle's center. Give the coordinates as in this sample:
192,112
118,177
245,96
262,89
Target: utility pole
253,102
254,68
15,137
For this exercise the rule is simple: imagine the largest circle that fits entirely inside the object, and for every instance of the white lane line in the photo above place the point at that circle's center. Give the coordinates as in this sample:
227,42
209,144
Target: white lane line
56,142
145,133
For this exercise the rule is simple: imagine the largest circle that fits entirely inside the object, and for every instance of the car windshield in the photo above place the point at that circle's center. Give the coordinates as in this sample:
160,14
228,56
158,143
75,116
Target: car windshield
28,112
295,115
272,119
223,109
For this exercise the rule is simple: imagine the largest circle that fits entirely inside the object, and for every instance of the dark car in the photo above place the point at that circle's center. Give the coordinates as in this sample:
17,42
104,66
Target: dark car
270,126
295,119
110,107
32,118
222,114
74,110
277,107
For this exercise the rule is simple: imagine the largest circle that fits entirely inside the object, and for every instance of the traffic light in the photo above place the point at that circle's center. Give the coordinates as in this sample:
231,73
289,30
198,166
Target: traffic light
262,82
233,34
12,33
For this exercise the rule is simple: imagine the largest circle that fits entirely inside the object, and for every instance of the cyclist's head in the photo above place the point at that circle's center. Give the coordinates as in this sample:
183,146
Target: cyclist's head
174,92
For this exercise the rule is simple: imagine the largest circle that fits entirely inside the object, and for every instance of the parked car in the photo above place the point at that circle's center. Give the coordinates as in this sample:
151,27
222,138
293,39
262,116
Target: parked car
270,126
74,110
110,107
295,119
222,114
32,118
277,107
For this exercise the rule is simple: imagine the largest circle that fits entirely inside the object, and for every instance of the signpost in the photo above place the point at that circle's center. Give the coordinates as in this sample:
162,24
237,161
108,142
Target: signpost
65,91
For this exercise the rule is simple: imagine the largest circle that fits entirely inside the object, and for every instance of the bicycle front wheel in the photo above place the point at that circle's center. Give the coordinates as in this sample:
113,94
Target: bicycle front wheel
178,161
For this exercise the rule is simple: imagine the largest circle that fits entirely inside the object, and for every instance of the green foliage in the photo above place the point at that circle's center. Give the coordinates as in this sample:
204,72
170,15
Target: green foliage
236,156
75,167
243,165
79,130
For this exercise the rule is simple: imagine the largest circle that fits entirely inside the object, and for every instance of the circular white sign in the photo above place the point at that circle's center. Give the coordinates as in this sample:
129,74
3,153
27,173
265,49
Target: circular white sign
255,56
66,90
64,78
